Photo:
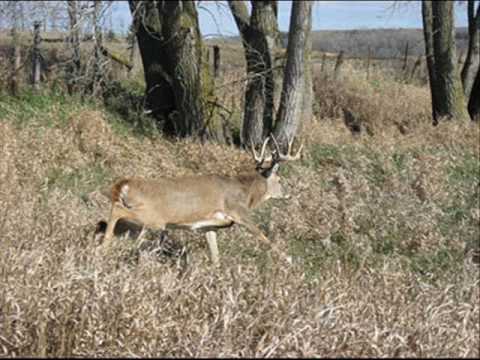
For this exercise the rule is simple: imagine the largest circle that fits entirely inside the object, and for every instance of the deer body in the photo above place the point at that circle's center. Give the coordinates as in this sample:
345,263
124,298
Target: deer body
206,202
198,202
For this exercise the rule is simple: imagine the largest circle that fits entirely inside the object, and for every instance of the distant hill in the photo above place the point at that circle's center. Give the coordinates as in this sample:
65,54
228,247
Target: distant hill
384,43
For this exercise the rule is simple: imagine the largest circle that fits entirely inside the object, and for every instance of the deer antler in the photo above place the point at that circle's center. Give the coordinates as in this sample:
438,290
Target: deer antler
260,159
287,156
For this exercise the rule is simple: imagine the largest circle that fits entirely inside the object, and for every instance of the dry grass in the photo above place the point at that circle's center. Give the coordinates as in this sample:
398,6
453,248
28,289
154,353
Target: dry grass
381,228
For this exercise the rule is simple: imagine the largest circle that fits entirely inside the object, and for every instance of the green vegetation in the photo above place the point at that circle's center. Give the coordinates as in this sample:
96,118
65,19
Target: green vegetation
81,181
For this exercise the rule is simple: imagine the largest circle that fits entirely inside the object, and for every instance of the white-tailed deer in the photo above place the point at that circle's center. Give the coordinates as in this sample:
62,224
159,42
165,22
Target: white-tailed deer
207,202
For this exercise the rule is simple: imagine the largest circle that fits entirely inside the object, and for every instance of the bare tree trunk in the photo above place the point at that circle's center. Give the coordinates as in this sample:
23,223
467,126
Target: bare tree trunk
472,60
74,40
260,38
474,103
448,82
36,57
159,99
97,72
184,54
171,49
290,110
132,41
15,58
427,17
307,106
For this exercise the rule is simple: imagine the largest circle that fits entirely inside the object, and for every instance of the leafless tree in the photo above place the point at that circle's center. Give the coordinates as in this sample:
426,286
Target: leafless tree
448,101
474,103
289,118
15,57
98,39
170,46
260,39
74,42
472,60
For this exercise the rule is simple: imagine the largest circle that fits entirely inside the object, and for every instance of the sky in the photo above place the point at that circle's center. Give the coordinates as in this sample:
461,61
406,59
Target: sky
215,18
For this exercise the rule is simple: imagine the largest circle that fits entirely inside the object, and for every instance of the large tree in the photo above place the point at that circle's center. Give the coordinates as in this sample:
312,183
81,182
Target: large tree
15,56
74,41
472,60
427,18
170,45
474,103
448,101
260,39
291,112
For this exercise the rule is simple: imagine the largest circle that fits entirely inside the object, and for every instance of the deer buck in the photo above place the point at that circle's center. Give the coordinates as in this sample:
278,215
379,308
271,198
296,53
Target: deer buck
207,202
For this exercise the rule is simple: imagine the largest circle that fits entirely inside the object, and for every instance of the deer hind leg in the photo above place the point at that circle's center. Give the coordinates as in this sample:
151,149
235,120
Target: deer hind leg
212,245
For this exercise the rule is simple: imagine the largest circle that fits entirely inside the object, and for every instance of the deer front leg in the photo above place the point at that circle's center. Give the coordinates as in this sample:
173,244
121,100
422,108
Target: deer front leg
107,239
116,214
212,245
140,238
242,217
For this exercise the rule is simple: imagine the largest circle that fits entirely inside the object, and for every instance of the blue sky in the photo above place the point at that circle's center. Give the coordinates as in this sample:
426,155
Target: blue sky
215,18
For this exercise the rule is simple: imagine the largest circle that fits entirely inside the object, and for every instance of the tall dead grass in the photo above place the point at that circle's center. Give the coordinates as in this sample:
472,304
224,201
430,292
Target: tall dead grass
381,229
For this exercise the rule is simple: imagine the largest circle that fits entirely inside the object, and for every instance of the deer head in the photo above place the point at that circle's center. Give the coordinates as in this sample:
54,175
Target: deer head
273,163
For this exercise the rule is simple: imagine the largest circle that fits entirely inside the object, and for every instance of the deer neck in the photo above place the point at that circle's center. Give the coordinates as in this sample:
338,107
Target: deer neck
257,191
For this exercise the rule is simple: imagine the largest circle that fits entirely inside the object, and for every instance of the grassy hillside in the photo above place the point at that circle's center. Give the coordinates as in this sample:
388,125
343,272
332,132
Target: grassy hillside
383,43
383,229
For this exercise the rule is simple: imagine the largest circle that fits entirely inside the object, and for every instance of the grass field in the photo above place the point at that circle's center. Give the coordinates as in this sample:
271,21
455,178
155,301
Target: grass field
383,229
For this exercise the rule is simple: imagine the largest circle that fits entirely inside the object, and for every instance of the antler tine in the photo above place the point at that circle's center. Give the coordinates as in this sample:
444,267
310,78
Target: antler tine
254,153
260,159
277,152
297,155
290,143
264,147
288,156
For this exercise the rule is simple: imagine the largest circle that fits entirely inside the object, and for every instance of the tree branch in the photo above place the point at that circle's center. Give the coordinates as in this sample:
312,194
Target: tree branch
240,14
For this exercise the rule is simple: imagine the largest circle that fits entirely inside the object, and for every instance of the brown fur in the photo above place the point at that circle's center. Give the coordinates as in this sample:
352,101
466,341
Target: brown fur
195,202
117,189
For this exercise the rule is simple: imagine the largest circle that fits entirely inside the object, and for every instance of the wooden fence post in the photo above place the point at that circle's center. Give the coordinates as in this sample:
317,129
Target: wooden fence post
369,58
15,58
415,67
324,60
216,61
405,58
338,65
36,56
